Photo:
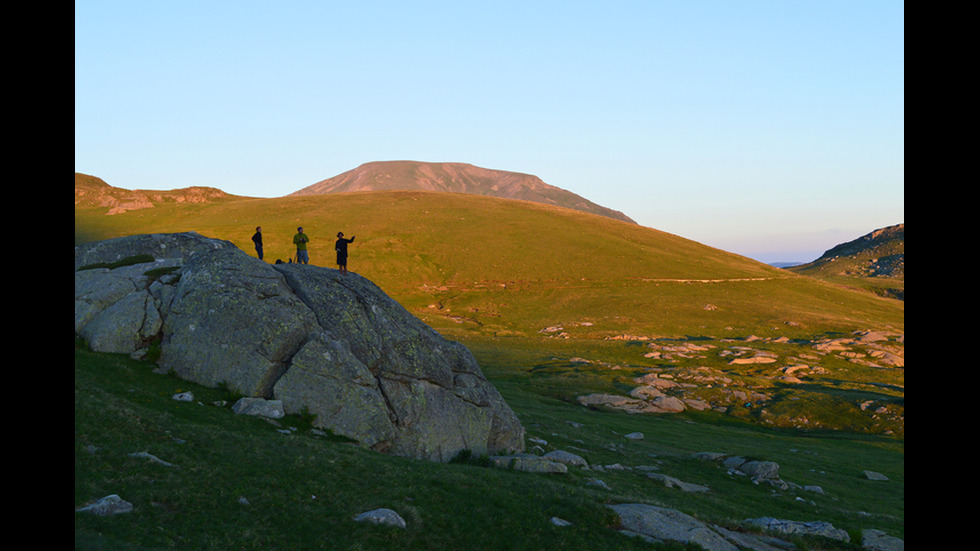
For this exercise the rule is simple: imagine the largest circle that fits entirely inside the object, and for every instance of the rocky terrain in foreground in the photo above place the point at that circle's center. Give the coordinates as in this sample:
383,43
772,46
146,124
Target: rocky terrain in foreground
756,377
330,344
307,340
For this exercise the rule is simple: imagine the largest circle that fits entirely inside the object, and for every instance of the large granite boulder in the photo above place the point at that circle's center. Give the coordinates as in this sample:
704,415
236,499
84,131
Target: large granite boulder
232,320
324,343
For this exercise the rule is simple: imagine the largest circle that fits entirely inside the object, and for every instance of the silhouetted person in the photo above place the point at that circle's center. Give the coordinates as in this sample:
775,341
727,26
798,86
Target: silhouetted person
300,240
341,247
257,239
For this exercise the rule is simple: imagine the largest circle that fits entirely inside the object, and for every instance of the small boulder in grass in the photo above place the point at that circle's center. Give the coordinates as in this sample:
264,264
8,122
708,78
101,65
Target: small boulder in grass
260,407
106,506
184,396
567,458
381,516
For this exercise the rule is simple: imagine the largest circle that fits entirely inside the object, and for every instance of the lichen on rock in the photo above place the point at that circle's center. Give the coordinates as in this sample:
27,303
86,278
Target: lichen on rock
324,343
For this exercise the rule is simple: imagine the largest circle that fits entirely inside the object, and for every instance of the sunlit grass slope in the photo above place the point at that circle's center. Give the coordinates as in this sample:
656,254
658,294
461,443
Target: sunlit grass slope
493,274
486,266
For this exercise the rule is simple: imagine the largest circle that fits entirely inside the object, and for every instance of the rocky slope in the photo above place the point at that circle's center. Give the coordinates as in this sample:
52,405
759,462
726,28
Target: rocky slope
875,261
330,345
91,191
880,253
456,178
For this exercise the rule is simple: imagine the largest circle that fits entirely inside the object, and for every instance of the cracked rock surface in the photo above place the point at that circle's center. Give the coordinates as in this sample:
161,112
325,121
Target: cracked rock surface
330,344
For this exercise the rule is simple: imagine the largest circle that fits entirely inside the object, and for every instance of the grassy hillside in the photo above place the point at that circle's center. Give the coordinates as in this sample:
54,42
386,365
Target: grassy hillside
501,267
552,285
554,304
237,482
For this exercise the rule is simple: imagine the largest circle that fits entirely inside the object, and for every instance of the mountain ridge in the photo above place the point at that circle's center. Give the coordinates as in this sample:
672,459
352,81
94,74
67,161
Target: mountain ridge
469,263
455,178
92,191
880,253
876,259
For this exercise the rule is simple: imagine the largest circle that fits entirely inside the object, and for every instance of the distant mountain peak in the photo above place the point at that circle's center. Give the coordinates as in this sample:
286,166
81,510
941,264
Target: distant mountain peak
455,178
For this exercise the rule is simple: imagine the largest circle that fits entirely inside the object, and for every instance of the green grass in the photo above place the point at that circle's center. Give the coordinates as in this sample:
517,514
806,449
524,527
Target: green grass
485,270
828,398
492,274
303,490
501,267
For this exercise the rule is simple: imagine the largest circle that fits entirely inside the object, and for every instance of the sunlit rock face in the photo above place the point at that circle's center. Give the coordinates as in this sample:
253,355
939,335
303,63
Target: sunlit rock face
327,344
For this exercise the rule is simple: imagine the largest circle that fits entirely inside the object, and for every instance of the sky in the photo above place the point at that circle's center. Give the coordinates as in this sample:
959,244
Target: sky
774,129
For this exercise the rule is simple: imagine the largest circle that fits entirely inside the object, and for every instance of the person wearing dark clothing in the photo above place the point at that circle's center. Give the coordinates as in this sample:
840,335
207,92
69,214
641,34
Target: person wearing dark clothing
257,239
341,247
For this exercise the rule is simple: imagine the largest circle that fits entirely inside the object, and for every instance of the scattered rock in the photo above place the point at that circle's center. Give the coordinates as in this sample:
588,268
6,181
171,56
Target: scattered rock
598,484
662,525
632,405
697,405
876,540
733,462
184,396
106,506
646,392
152,458
758,471
528,463
753,542
382,516
710,456
659,524
568,458
761,471
871,475
259,407
759,359
668,404
672,482
793,528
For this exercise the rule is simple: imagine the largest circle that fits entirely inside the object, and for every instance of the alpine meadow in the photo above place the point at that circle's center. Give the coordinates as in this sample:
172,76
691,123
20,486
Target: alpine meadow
591,327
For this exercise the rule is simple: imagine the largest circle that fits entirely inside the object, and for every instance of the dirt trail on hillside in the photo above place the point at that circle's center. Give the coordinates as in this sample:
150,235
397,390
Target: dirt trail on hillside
723,280
575,284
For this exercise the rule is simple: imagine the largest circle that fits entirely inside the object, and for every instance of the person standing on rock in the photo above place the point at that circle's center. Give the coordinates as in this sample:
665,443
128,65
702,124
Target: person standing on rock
300,240
257,239
341,247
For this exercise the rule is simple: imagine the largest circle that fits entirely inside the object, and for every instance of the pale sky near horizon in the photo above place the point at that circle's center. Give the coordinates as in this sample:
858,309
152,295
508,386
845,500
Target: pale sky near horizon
774,129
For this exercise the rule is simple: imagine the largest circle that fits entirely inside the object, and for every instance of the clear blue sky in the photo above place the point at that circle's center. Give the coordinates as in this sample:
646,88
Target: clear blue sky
770,128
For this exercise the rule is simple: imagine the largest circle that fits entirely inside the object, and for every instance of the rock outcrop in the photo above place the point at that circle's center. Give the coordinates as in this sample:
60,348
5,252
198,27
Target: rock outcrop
323,343
92,192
